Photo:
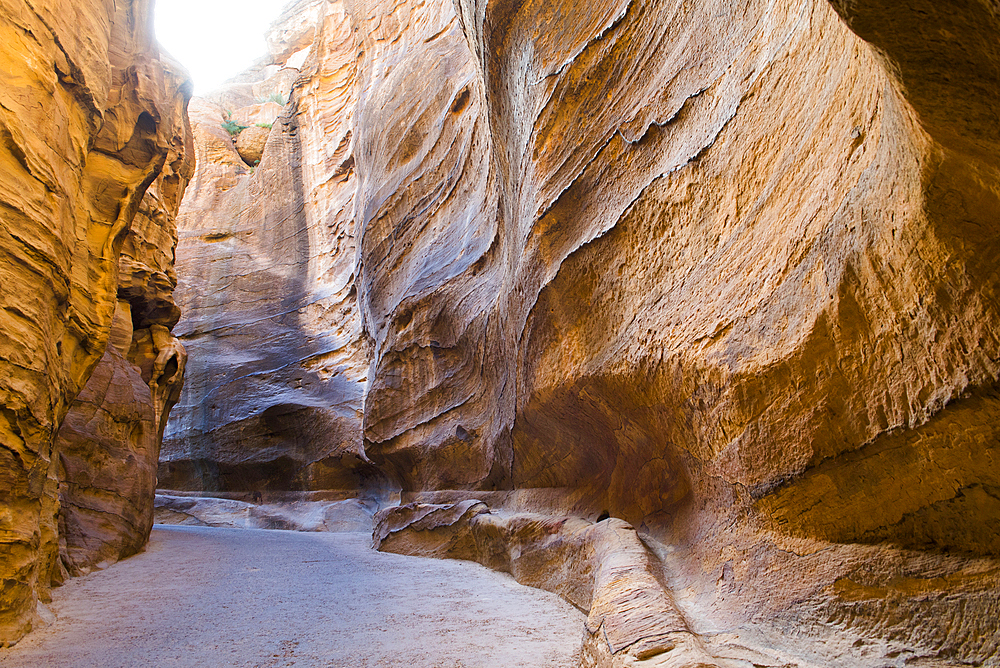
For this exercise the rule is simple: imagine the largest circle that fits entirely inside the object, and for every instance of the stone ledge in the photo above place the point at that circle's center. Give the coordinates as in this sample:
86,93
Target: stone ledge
602,568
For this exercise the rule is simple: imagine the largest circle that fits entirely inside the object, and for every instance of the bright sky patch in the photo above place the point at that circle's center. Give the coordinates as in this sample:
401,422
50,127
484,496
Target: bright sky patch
215,39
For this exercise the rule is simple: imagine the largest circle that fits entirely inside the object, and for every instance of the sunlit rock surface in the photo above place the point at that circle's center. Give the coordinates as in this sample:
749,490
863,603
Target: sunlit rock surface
109,443
250,144
89,117
724,271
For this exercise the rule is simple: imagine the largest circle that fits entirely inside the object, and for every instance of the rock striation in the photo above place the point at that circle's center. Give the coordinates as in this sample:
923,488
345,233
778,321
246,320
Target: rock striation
91,117
109,442
726,272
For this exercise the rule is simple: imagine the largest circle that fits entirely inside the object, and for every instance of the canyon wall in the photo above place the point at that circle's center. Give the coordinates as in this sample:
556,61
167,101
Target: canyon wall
275,384
109,443
726,271
734,261
90,119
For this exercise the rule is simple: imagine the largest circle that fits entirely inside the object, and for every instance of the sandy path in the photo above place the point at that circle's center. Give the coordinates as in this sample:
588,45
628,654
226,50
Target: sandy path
235,597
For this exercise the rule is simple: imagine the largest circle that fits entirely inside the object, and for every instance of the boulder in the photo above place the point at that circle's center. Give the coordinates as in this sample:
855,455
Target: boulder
250,144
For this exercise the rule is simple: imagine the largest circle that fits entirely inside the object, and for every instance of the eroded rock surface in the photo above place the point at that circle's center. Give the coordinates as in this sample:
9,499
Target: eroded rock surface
89,117
601,568
739,293
274,389
109,443
726,271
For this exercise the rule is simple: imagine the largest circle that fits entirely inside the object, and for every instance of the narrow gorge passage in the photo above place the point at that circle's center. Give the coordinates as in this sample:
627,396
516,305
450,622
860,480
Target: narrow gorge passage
212,597
687,311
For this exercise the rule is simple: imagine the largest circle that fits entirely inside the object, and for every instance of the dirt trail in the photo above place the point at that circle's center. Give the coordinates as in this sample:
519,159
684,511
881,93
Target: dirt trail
234,597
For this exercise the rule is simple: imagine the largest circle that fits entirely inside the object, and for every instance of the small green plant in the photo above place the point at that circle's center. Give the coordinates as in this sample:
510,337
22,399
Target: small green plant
273,97
231,126
264,125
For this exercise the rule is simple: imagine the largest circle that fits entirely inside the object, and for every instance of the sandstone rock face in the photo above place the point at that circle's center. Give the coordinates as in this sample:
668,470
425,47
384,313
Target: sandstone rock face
108,450
89,117
274,388
109,443
725,271
741,293
735,313
266,112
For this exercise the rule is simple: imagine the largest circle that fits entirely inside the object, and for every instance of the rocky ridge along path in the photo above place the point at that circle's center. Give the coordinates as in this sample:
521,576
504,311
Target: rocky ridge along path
211,597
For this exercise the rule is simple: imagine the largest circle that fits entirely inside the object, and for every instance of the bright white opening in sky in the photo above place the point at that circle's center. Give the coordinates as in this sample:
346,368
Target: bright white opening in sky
215,39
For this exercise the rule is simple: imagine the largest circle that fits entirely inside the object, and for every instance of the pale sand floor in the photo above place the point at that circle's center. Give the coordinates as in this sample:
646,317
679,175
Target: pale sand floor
238,597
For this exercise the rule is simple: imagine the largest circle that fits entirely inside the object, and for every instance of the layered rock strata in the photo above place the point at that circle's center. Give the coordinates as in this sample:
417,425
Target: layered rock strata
89,118
109,443
773,284
725,272
741,292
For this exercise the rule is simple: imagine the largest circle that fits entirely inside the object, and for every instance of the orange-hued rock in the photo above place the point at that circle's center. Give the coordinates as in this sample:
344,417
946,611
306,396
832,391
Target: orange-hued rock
726,271
108,445
89,117
250,144
692,283
296,28
742,293
264,113
727,263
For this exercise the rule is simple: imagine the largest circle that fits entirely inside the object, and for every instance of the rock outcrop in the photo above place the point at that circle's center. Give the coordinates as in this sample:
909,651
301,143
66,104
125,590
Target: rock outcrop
726,272
90,117
109,442
602,568
730,262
